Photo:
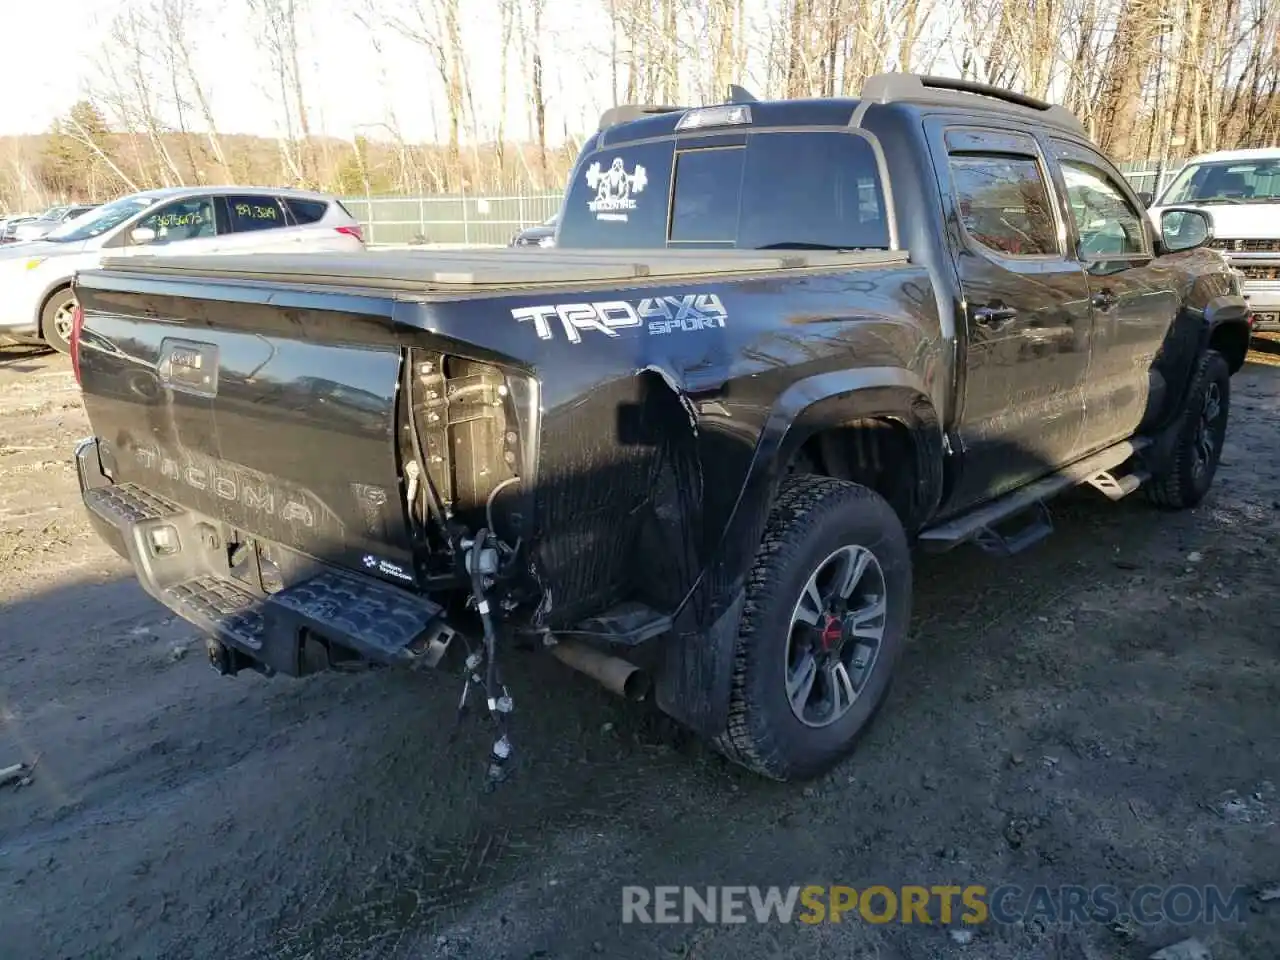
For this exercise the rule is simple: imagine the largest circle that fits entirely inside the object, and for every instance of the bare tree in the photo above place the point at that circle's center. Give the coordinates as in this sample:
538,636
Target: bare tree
436,27
278,20
176,18
537,86
126,71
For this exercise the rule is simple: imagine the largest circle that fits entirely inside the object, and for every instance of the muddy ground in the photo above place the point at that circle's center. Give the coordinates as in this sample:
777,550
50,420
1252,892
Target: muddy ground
1102,710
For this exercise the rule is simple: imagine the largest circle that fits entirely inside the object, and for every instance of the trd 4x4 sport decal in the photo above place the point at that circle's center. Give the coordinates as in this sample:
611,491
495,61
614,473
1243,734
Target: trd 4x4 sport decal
684,313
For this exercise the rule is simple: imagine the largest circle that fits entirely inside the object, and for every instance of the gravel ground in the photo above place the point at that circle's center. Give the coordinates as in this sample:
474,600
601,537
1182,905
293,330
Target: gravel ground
1123,729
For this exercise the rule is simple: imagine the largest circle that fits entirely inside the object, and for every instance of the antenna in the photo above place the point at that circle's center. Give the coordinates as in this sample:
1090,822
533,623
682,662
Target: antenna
739,94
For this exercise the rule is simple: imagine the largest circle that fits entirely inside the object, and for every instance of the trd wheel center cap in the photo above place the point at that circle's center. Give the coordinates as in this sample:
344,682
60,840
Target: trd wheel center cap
832,634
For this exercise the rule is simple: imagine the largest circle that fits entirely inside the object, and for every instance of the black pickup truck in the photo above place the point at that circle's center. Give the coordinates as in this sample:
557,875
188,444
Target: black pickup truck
689,449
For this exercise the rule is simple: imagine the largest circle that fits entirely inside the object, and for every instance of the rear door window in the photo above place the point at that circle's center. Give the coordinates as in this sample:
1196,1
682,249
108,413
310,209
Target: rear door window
1004,204
304,212
249,213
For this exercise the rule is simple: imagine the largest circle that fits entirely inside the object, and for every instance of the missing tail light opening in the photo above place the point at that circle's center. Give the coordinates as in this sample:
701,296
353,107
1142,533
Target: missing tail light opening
466,424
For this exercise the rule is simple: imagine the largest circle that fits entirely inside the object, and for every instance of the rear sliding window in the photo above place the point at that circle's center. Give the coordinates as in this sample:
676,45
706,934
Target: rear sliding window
764,190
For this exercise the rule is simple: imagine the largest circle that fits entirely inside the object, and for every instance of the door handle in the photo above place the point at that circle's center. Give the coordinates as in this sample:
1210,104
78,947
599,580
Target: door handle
996,317
1104,300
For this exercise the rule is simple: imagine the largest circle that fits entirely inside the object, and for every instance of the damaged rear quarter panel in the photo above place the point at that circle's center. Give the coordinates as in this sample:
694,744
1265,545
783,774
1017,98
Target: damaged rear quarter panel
655,401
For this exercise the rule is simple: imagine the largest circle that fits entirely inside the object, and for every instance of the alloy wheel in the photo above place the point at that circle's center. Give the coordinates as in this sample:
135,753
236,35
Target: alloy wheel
837,627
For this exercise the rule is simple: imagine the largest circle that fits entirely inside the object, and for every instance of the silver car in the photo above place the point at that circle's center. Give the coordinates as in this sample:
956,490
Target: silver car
36,299
9,224
44,224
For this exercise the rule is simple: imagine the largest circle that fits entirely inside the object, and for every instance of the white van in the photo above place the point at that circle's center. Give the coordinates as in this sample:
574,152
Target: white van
1241,191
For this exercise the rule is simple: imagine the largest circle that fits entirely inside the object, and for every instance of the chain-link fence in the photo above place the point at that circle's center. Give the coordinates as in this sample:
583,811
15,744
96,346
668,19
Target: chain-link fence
1151,176
469,220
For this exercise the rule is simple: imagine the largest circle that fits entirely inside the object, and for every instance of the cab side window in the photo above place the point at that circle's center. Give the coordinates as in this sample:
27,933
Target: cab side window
1106,221
1003,202
191,219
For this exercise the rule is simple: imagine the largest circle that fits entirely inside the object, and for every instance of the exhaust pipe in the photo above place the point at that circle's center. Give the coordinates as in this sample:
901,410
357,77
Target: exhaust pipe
613,673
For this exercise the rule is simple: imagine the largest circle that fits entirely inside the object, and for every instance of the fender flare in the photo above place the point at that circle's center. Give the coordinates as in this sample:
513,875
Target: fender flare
833,399
819,402
696,663
1222,311
1225,309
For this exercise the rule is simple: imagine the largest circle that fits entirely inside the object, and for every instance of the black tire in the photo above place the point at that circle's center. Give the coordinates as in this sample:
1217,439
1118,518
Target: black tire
1197,437
812,518
52,317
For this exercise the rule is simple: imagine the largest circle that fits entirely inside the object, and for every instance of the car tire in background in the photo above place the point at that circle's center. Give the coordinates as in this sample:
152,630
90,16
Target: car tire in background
802,634
56,318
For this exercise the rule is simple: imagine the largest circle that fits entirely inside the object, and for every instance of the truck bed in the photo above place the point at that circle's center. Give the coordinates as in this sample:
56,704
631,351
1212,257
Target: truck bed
492,271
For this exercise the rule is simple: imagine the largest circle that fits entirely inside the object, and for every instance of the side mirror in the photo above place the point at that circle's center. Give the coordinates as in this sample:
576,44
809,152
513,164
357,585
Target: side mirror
142,235
1182,229
1145,197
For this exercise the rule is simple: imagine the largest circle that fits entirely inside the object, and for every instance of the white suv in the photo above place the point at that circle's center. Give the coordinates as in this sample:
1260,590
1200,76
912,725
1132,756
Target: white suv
36,301
1240,189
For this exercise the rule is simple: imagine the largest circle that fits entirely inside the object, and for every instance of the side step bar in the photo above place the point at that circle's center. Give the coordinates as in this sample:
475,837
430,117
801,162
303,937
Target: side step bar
978,525
1117,488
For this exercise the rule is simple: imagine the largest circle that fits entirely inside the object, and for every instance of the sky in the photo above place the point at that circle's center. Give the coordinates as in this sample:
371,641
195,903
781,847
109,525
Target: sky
51,48
52,44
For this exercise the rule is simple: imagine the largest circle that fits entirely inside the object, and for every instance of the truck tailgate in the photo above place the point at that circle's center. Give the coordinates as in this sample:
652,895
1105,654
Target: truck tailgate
242,413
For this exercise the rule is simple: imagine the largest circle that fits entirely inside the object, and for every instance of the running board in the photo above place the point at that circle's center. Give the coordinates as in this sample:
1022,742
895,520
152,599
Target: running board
1038,527
979,524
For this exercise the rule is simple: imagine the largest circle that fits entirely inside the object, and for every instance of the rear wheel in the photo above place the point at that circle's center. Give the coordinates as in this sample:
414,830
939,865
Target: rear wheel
825,620
1199,433
56,320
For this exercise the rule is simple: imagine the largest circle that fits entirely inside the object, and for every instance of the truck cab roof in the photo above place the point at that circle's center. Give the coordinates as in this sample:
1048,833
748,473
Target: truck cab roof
800,174
916,93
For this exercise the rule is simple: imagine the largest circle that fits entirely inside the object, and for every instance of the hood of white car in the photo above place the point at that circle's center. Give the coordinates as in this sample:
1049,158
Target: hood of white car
1236,221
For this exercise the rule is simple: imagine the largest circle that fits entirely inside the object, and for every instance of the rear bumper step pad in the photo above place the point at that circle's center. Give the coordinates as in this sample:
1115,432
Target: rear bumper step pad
376,621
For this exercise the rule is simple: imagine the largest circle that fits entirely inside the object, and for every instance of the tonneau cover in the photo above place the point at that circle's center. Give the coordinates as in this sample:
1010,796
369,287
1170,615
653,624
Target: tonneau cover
443,271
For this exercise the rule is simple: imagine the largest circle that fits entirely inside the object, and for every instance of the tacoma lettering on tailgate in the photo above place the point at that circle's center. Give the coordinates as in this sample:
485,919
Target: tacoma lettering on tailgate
233,483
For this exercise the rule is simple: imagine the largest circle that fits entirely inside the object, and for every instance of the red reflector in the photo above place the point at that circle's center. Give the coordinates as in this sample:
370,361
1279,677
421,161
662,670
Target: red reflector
77,322
352,231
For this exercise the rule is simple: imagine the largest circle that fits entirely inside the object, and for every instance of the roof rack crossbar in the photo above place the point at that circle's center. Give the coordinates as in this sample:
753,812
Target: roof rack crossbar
891,87
626,112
